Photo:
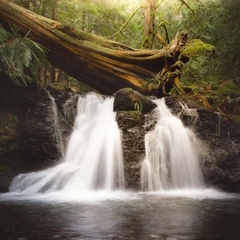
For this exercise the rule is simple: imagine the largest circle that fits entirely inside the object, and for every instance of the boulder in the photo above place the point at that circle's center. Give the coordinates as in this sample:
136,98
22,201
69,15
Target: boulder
127,99
133,109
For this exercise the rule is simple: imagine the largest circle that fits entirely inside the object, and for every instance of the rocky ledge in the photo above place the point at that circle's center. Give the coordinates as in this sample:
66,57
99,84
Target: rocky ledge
28,141
219,136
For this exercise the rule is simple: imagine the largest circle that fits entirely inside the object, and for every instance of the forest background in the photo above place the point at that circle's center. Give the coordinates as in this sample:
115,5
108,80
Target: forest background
214,79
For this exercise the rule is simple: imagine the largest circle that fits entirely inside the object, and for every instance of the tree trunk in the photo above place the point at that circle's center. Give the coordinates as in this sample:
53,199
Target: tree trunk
105,65
149,17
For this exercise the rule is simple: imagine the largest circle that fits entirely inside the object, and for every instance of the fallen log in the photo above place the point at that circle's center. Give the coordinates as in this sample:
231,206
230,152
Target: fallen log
105,65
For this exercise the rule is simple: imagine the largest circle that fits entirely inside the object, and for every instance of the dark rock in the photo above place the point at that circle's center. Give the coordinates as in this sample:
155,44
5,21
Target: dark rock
66,102
189,116
31,144
132,123
221,137
132,126
128,99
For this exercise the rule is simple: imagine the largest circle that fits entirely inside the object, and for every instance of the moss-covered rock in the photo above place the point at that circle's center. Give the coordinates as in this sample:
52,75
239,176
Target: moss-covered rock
132,109
127,99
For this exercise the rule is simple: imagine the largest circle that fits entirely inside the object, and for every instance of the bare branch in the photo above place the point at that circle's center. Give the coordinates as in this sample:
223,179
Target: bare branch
127,21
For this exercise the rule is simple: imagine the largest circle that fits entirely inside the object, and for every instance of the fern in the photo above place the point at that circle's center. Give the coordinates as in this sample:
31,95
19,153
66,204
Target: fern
19,54
138,106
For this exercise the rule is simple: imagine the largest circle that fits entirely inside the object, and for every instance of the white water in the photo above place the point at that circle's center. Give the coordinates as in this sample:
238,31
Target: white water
93,164
57,128
93,160
171,160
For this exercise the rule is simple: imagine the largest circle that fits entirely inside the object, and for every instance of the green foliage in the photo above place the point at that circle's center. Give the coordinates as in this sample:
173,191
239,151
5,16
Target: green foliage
20,57
138,106
153,83
197,47
136,115
214,22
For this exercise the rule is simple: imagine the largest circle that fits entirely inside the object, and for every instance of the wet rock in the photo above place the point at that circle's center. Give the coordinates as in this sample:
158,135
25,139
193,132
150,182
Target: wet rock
131,119
33,146
127,99
66,102
220,137
132,126
220,153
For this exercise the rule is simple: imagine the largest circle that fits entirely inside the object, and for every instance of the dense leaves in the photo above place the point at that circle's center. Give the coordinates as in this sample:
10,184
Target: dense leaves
214,21
20,57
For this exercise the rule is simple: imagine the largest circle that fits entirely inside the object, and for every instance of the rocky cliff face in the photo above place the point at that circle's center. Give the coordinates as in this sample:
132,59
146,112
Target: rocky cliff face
27,137
220,138
28,141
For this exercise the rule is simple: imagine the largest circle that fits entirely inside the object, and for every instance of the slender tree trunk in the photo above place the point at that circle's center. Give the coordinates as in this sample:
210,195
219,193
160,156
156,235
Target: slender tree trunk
54,17
60,77
54,10
149,17
83,21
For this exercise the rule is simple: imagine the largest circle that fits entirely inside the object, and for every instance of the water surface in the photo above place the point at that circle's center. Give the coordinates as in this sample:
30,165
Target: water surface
200,215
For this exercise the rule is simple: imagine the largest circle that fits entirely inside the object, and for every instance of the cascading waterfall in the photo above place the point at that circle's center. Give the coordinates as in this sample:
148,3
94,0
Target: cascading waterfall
57,129
93,160
171,160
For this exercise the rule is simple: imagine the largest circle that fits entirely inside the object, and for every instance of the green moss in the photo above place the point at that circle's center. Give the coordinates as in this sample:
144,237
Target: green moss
8,127
71,84
135,114
195,48
57,86
131,94
227,87
216,95
127,90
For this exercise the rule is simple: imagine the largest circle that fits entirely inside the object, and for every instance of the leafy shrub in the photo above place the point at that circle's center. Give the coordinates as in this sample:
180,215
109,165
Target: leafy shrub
20,57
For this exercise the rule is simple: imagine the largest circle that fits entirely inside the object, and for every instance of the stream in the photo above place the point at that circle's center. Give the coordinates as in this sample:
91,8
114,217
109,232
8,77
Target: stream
84,197
171,215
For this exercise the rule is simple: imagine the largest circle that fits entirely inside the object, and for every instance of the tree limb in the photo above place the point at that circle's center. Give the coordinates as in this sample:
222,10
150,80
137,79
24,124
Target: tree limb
127,21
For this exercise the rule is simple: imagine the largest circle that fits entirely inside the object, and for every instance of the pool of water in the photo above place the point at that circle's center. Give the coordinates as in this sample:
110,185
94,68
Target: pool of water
169,215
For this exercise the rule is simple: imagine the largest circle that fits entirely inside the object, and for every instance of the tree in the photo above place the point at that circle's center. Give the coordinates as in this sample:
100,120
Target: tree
103,64
149,17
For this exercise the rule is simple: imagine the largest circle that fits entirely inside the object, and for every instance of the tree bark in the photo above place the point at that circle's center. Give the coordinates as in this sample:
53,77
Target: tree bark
149,17
105,65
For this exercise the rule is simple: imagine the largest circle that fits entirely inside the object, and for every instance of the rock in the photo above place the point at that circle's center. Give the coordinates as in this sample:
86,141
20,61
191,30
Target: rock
66,102
220,137
32,144
131,120
132,125
127,99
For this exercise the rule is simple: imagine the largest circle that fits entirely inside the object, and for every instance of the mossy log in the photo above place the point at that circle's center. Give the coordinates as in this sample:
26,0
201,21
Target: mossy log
105,65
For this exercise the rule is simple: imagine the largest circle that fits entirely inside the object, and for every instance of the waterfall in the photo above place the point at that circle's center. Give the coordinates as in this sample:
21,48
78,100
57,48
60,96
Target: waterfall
57,129
93,159
171,160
